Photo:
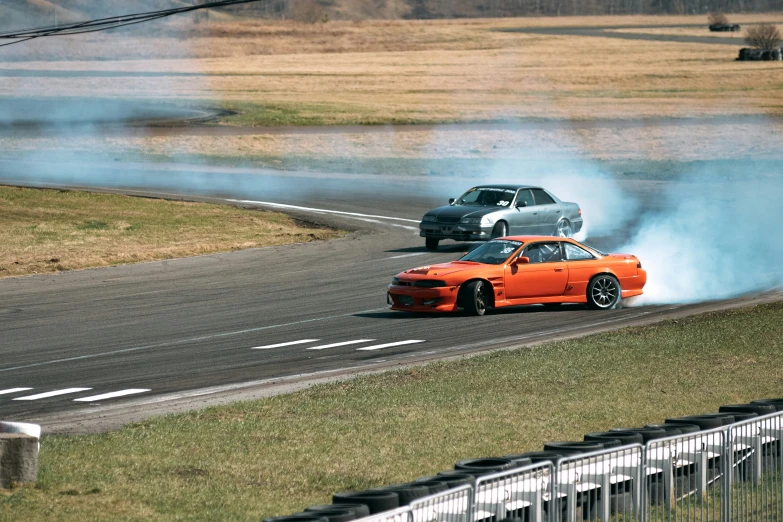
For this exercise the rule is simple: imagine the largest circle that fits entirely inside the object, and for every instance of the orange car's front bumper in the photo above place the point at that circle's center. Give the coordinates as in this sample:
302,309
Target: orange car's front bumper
412,299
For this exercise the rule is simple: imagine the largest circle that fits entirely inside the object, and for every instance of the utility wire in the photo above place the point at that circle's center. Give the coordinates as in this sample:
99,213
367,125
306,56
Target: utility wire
103,24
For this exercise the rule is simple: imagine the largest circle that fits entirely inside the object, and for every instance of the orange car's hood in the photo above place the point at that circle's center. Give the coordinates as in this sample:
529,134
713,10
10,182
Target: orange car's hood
441,269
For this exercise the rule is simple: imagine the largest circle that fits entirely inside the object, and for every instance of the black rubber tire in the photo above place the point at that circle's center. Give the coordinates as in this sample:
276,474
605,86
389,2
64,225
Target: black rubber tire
336,514
376,501
406,493
704,422
431,243
361,510
434,485
474,297
485,464
740,416
519,460
777,403
674,428
499,230
625,437
459,474
298,517
603,292
451,481
544,456
574,447
646,433
761,409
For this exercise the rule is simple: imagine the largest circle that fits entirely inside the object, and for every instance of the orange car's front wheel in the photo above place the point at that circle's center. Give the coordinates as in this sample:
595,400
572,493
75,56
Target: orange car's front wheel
474,297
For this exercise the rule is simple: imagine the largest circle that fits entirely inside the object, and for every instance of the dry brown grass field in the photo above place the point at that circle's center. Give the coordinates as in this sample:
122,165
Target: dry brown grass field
285,73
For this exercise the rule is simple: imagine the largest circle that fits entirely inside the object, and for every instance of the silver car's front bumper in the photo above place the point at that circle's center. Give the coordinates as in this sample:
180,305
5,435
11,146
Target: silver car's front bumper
456,231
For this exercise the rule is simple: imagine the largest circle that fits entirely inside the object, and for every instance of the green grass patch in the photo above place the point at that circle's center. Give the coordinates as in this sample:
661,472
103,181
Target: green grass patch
278,455
54,230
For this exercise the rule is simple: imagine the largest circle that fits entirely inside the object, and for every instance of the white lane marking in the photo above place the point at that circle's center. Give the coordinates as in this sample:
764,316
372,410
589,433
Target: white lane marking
407,255
344,343
122,393
280,345
187,340
51,394
325,211
13,390
406,227
389,345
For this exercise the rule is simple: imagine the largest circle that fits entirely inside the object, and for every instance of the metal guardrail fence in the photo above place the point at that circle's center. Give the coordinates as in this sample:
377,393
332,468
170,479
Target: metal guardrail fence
684,476
728,474
755,469
599,485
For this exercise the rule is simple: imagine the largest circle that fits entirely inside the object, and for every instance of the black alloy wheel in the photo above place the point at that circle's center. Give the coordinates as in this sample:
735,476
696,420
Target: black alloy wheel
474,298
603,292
431,243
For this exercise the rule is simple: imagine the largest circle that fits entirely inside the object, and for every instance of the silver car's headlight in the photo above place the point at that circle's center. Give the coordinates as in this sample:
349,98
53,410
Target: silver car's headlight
428,218
476,221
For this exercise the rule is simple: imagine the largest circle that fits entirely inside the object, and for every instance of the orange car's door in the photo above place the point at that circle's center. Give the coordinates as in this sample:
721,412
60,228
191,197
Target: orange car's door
546,274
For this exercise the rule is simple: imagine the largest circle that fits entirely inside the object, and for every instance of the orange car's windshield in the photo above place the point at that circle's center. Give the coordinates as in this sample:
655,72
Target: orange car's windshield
494,252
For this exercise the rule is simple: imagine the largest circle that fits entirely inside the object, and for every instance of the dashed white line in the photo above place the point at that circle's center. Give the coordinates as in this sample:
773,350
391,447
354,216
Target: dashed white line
280,345
13,390
344,343
406,255
186,340
325,211
112,395
51,394
389,345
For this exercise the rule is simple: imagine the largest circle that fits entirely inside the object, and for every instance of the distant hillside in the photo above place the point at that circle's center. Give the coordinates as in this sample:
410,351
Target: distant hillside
35,13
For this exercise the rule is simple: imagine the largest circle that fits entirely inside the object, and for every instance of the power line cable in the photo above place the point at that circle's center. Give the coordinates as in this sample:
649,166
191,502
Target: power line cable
112,22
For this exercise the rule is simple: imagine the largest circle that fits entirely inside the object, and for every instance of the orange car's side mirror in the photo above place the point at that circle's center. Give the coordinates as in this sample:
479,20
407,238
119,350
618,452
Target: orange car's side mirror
522,260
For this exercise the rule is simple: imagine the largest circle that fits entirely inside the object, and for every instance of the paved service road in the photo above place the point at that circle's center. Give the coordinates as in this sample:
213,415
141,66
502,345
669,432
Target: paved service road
144,336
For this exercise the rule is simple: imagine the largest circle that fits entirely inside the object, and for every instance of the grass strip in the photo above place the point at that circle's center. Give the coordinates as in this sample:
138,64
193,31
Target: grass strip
278,455
45,231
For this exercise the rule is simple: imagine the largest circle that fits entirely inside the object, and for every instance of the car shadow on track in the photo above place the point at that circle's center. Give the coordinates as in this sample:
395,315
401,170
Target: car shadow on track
511,310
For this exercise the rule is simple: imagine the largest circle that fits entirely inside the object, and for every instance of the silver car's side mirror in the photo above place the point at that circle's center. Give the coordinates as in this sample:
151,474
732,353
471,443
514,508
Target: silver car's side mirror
451,201
521,204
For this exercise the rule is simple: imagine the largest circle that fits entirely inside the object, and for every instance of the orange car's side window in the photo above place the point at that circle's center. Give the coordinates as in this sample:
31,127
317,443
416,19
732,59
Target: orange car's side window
543,252
574,253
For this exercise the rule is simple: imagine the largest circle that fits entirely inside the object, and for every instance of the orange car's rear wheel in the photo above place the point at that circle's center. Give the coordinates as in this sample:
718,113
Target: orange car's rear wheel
474,297
603,292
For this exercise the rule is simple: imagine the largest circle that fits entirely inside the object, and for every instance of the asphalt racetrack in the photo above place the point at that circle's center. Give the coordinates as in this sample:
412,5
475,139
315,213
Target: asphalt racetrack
89,350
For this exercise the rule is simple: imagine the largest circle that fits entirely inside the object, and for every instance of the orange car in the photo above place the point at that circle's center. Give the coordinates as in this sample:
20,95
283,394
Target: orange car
519,270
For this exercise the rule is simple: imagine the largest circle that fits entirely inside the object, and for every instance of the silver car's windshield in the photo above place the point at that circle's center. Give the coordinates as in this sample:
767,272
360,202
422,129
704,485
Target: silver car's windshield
486,197
494,252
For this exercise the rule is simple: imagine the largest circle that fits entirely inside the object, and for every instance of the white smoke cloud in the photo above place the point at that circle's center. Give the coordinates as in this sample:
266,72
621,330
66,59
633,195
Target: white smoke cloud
712,241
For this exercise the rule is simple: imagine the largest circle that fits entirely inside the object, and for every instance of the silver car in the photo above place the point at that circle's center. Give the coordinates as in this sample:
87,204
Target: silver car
489,211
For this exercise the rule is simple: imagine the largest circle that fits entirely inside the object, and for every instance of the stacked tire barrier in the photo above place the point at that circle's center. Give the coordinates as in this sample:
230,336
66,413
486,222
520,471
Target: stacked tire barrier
724,466
750,54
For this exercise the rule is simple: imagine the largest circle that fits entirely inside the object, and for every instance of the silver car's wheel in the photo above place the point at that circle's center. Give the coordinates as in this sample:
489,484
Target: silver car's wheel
563,228
500,229
603,292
